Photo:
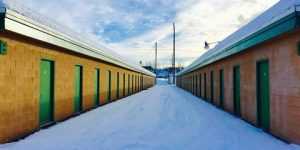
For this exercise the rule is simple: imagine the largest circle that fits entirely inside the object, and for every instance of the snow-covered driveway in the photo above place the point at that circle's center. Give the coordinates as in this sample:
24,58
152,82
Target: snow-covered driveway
161,118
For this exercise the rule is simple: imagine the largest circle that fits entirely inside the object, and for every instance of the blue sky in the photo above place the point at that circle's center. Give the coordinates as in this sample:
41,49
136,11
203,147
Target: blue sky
150,15
131,27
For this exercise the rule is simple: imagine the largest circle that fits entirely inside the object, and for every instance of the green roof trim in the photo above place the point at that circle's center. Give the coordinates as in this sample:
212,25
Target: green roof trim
2,23
284,25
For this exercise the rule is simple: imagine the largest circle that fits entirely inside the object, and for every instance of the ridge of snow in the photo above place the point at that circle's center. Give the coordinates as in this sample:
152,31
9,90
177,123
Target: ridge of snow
273,14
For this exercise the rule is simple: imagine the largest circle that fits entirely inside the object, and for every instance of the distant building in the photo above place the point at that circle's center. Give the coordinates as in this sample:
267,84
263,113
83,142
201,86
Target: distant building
164,72
150,68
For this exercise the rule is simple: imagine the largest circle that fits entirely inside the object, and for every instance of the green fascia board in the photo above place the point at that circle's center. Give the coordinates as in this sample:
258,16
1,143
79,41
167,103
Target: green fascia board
2,22
286,24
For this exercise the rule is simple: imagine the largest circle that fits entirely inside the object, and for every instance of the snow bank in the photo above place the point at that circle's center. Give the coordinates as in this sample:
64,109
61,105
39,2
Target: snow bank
162,118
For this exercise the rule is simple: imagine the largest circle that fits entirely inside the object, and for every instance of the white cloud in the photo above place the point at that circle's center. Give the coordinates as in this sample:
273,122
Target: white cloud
196,21
210,20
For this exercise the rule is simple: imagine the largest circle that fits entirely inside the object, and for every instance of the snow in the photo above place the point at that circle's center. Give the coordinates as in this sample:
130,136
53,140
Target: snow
275,13
163,117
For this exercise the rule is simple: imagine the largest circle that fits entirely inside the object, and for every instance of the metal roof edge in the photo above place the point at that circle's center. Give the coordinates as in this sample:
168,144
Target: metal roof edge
23,25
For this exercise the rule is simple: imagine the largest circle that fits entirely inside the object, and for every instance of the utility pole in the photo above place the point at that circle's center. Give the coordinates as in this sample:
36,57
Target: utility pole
173,63
155,57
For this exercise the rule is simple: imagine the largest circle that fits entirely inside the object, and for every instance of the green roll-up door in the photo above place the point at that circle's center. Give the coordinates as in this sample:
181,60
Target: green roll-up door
124,85
78,89
263,95
236,90
221,86
212,87
108,86
132,84
192,84
196,86
46,92
200,87
205,95
141,82
128,85
118,85
135,83
97,87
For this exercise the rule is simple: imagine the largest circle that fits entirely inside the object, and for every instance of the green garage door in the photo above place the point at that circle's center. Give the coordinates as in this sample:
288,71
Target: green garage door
118,85
132,84
108,86
205,88
200,86
143,82
97,87
78,89
196,85
124,85
128,85
263,95
212,87
46,91
135,83
221,86
236,90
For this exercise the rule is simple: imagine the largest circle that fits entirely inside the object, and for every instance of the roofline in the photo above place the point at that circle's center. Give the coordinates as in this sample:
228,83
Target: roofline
12,21
287,23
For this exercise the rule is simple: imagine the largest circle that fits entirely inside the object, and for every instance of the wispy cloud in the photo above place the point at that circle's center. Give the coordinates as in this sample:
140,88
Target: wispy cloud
210,20
131,27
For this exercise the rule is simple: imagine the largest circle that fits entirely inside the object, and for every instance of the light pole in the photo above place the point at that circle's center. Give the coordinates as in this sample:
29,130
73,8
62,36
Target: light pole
155,58
173,64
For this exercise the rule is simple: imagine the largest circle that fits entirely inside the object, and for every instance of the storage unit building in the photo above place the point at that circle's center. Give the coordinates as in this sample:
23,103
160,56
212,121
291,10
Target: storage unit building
255,72
47,75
